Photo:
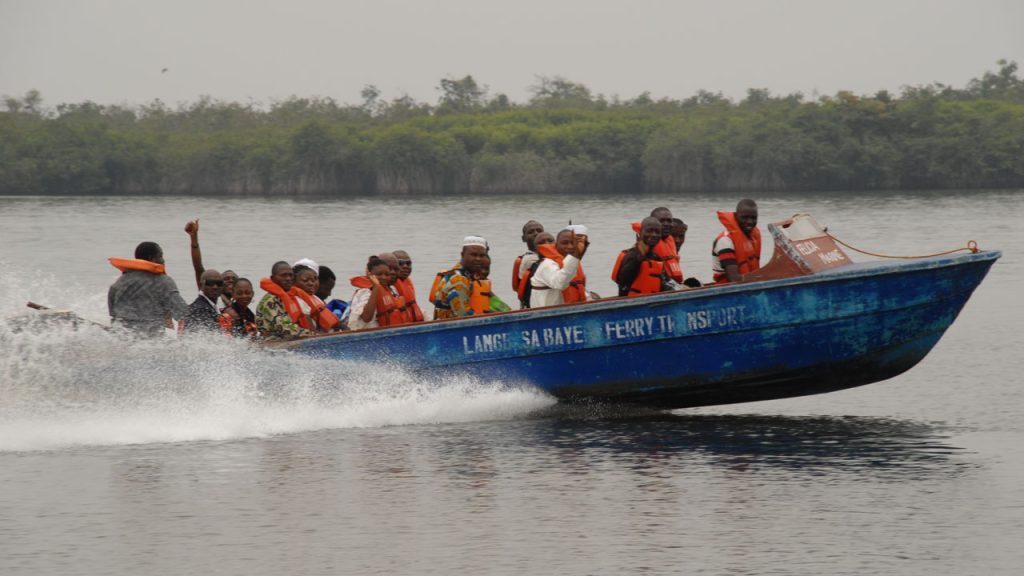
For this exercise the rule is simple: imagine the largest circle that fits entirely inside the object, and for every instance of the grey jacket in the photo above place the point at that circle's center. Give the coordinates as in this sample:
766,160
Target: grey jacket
140,299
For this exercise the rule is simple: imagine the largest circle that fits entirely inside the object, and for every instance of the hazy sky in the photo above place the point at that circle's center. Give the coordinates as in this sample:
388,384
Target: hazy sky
114,51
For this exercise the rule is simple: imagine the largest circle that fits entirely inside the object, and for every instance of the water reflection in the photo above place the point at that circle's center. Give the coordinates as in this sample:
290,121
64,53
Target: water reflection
658,443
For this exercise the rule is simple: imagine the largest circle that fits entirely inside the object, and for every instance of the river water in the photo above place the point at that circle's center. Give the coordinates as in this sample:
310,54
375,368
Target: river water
204,457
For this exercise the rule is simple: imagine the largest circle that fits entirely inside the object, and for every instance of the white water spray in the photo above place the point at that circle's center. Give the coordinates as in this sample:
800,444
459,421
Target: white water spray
64,385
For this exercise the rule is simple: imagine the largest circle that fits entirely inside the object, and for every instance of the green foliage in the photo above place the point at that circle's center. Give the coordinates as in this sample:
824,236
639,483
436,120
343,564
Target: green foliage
565,140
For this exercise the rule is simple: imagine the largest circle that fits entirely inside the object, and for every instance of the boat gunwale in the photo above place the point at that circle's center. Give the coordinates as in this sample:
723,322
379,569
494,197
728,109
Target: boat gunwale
851,272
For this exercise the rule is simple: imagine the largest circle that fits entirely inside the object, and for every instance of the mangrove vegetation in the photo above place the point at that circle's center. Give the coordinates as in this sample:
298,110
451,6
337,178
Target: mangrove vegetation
565,139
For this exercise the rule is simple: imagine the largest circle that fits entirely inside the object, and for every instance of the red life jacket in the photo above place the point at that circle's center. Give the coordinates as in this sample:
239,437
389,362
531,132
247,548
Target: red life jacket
390,306
666,250
325,319
407,291
748,249
290,304
577,290
648,281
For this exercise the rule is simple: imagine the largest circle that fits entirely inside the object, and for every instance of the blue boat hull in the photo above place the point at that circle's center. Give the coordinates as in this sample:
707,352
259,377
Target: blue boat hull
737,343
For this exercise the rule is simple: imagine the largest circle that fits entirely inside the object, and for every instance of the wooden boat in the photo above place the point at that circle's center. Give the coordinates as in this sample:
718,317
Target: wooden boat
810,321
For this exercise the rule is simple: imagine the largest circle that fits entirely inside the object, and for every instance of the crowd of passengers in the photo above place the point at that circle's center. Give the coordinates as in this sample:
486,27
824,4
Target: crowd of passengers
298,296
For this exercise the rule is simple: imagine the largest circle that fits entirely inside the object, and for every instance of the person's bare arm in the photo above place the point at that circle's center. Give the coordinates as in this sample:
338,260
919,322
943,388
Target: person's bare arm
192,229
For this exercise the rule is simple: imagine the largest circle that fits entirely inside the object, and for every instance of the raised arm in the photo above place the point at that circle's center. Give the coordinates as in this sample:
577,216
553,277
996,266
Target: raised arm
192,229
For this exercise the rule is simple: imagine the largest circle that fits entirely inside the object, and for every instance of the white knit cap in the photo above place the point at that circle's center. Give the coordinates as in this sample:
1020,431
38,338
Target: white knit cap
474,241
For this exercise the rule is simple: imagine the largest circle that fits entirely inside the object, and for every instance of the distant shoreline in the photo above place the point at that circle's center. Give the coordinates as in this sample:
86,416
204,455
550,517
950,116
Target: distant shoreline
564,141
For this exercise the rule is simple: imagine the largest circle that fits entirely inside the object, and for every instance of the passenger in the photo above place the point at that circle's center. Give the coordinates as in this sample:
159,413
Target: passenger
679,229
306,285
482,289
737,250
666,248
525,290
229,276
639,270
374,302
278,315
524,261
237,319
144,296
558,277
203,312
327,282
405,287
453,289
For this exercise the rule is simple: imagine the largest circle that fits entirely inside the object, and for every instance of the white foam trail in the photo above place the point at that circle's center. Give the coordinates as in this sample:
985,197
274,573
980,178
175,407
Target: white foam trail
64,386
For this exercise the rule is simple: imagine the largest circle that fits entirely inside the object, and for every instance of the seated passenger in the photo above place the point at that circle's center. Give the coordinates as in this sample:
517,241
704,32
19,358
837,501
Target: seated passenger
327,282
306,285
229,276
237,319
639,270
737,250
482,287
666,247
454,292
405,287
203,311
525,290
278,315
524,261
679,229
558,277
374,302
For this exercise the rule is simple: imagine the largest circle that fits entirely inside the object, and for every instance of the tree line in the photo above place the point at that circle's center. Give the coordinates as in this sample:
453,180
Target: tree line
564,139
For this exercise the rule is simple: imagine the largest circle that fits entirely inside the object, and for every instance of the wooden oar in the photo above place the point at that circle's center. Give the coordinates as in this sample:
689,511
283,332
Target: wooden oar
63,311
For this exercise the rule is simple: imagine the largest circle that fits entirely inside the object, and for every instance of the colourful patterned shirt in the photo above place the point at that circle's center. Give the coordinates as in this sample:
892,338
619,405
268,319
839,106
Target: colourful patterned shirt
454,297
273,321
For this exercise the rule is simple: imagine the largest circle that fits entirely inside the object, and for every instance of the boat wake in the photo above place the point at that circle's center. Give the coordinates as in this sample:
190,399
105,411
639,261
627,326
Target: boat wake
63,386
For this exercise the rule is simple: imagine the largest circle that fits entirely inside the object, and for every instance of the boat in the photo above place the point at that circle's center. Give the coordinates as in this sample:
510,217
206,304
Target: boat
810,321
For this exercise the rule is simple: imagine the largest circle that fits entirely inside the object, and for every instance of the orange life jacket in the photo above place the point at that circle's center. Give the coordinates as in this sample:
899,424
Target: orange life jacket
407,291
290,304
577,290
648,281
748,249
516,283
325,319
666,250
390,306
480,297
126,264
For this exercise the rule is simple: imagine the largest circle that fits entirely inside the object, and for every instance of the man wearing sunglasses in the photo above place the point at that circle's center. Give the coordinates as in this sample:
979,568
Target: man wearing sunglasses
202,312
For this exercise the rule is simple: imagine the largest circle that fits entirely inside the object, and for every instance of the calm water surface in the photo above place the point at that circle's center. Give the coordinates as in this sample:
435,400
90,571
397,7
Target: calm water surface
203,458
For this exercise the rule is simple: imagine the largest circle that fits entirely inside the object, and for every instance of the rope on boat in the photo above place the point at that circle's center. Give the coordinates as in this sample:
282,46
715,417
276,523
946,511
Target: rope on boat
971,247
